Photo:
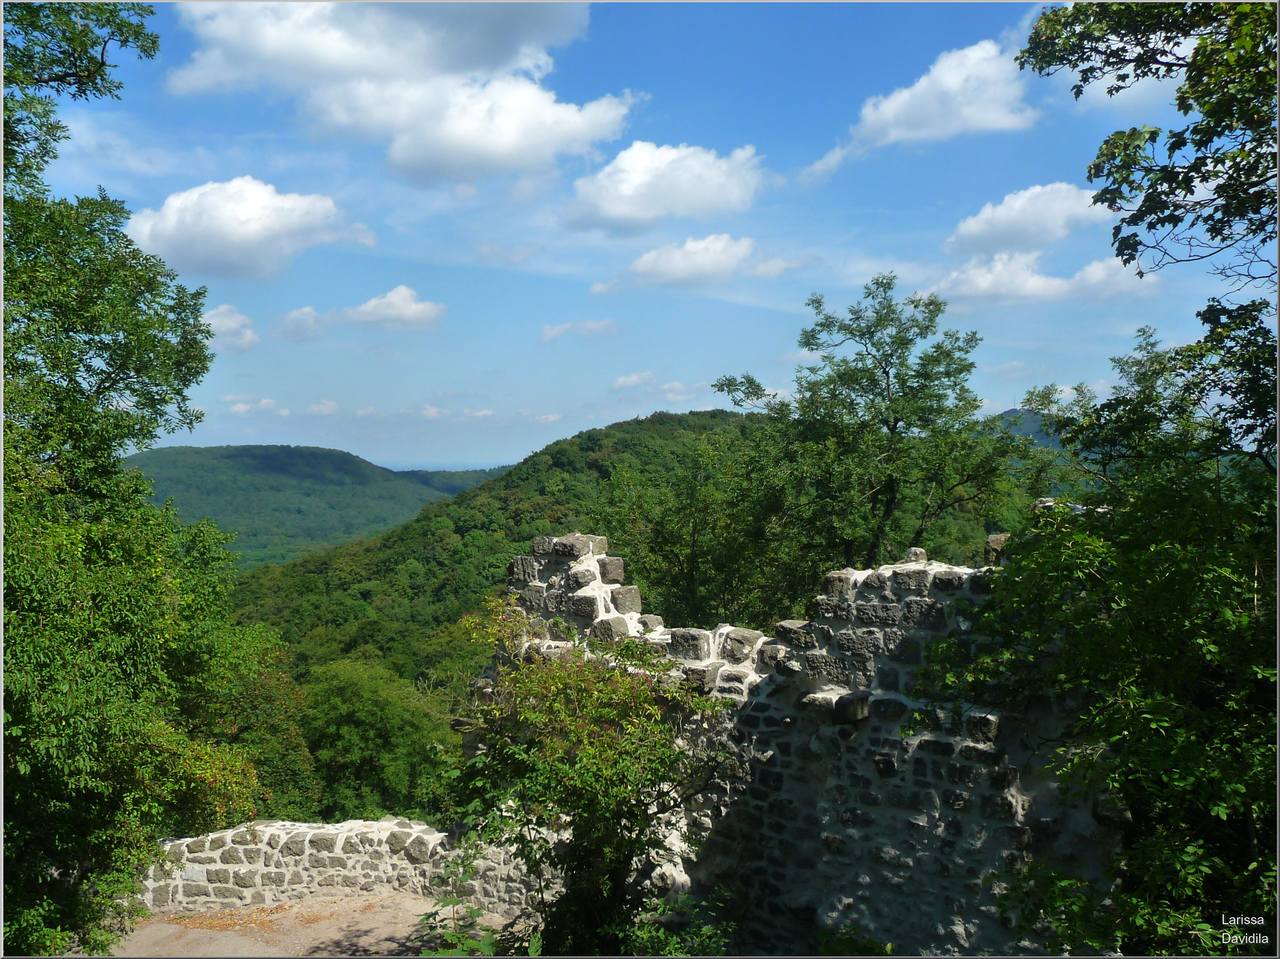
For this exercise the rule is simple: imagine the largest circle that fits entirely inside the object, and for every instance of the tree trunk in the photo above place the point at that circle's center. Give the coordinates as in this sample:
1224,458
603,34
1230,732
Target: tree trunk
888,506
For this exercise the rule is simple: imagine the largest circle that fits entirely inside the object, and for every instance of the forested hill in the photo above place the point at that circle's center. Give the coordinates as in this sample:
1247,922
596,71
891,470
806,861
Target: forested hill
381,597
282,501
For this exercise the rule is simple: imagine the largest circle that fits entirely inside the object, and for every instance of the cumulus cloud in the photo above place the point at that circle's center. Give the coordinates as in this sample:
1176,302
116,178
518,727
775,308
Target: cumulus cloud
554,331
1015,276
677,392
232,330
366,411
477,414
976,89
430,412
239,227
646,182
548,417
714,257
301,324
454,93
245,403
398,308
323,408
1036,215
629,380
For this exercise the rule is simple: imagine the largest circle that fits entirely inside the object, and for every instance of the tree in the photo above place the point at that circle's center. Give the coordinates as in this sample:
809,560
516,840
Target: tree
879,444
1154,612
580,764
1208,191
115,612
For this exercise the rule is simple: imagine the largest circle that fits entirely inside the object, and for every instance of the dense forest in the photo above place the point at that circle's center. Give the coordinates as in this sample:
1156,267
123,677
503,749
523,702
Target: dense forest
281,501
152,690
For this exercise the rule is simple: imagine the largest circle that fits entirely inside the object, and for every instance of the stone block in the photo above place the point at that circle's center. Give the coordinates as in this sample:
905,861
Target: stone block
295,845
244,837
795,633
739,643
886,765
195,890
920,612
418,850
609,628
911,581
576,545
542,545
252,854
337,862
584,607
612,569
703,676
888,710
232,854
626,599
274,840
907,650
876,614
860,643
351,845
219,875
197,845
982,727
852,707
651,623
245,878
296,878
160,896
838,584
948,580
350,882
987,755
690,644
324,842
578,578
327,881
217,841
317,861
523,569
829,670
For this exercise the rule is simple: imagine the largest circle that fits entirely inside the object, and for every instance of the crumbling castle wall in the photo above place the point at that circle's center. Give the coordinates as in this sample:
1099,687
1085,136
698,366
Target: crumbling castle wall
862,807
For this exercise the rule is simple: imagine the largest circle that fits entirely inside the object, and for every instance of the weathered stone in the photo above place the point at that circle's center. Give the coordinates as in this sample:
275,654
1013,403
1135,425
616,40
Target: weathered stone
245,878
795,633
852,707
317,861
244,837
522,569
197,845
986,755
911,581
982,727
350,844
651,623
948,580
231,854
612,569
919,612
703,675
584,606
907,650
252,854
274,840
327,881
888,710
739,642
296,878
876,614
418,850
829,670
202,859
862,644
915,554
609,628
195,890
576,544
295,845
217,841
690,644
838,584
542,545
219,875
626,599
993,552
350,882
886,764
160,896
580,577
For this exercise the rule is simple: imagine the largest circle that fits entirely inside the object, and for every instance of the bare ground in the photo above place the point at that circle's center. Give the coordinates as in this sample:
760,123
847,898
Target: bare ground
374,925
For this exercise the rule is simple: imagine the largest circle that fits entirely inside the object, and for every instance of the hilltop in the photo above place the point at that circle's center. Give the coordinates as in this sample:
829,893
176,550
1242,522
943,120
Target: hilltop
282,501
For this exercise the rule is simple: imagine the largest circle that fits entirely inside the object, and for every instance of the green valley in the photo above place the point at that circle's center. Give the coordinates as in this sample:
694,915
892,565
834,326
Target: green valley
282,501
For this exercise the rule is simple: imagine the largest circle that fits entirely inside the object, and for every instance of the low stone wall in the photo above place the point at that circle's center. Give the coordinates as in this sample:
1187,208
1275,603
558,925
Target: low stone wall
861,806
268,861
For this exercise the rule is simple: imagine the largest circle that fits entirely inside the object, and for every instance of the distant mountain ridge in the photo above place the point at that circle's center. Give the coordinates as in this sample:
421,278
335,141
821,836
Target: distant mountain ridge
282,501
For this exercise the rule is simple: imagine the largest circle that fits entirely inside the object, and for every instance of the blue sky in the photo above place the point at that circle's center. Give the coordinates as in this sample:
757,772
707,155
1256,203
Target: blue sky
447,235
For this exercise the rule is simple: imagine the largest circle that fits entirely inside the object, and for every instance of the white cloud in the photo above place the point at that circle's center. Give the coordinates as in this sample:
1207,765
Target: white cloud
398,308
245,403
1034,216
282,412
477,414
646,182
232,330
1012,370
429,412
241,408
714,257
582,328
677,392
548,417
323,408
453,92
240,227
976,89
365,411
301,324
629,380
1015,276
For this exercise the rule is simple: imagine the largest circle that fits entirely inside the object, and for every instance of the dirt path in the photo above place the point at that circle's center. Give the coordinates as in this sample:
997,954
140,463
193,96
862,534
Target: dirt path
373,925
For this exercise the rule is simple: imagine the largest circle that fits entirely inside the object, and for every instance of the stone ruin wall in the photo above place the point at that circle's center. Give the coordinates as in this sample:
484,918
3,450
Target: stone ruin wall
846,816
269,861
